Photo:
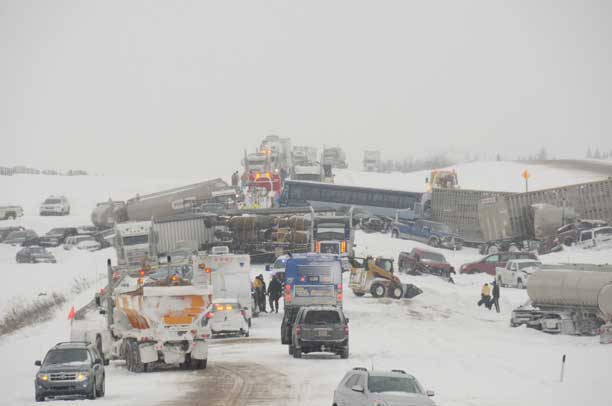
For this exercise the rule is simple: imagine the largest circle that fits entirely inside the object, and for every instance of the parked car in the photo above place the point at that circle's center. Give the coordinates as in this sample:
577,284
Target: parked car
24,238
71,368
56,236
55,205
82,242
10,212
490,263
34,255
420,261
600,237
87,230
569,234
5,231
516,272
361,387
226,316
320,329
429,232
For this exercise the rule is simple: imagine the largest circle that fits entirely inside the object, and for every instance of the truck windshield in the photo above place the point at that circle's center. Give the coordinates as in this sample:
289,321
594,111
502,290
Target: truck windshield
72,356
136,240
322,317
330,231
378,384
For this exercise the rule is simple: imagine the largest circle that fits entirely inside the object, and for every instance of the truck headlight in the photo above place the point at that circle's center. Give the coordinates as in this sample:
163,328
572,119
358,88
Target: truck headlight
81,376
43,377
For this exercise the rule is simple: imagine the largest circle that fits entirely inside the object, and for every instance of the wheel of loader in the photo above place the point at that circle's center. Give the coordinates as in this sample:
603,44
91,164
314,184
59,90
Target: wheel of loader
358,294
396,292
378,290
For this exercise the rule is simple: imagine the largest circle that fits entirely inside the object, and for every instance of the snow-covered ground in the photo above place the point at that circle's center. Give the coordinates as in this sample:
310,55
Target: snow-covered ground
468,355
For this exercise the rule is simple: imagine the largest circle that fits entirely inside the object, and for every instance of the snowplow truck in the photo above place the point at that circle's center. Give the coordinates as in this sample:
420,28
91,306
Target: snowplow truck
158,321
564,301
375,276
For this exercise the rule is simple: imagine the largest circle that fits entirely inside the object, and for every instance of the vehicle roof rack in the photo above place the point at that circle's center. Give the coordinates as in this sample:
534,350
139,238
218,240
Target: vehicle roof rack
399,371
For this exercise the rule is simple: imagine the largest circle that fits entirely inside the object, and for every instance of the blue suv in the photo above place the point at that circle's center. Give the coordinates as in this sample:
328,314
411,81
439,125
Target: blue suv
70,368
429,232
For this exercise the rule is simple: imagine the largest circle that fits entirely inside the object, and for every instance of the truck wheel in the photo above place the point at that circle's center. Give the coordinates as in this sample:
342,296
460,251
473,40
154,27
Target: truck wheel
519,284
397,292
203,363
137,365
434,242
359,294
39,398
290,350
297,353
344,354
394,234
378,290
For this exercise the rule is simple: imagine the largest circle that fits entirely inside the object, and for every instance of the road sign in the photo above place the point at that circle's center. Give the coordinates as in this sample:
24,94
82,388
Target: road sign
525,174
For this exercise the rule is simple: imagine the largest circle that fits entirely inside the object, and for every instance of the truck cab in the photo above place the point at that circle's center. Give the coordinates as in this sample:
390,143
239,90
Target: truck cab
428,232
333,235
132,243
516,272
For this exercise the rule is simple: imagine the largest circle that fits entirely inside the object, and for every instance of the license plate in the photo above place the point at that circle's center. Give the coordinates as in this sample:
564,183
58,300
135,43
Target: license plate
323,333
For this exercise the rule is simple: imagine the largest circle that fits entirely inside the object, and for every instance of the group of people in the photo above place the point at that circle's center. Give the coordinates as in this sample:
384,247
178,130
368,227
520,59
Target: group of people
490,297
274,293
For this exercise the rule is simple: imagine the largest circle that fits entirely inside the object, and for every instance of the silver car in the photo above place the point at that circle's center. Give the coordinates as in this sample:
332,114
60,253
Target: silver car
361,387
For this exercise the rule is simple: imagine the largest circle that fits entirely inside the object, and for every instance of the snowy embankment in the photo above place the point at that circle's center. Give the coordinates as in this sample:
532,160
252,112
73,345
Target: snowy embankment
493,176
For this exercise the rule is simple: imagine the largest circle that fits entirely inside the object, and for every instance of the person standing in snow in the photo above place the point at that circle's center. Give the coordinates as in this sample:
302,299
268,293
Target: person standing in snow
275,291
235,179
261,293
495,296
485,295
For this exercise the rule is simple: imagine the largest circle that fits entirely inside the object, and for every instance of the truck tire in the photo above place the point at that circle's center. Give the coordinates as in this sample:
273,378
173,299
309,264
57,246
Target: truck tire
434,242
297,353
519,284
378,290
39,398
134,354
396,292
394,234
344,353
290,350
358,294
93,394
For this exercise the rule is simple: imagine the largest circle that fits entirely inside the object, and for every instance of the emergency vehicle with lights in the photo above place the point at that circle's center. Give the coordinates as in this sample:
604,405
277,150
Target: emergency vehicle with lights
311,279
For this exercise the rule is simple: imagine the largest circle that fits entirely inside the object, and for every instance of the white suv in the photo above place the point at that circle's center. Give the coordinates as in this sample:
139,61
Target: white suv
361,387
516,273
55,205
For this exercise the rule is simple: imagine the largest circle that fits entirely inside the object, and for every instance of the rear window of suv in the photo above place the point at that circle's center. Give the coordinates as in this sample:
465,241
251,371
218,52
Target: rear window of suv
322,317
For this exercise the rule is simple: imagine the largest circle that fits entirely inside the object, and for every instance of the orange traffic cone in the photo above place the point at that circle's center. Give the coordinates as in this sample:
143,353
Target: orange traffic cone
71,314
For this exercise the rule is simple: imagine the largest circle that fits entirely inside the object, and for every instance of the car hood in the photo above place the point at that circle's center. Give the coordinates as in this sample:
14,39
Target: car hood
404,399
64,368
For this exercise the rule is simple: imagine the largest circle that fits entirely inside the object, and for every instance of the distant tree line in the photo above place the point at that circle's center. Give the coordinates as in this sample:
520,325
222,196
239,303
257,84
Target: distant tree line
24,170
597,154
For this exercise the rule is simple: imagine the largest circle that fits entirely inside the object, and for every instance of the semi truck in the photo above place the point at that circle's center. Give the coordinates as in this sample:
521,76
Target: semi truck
302,154
310,279
567,299
279,151
134,243
335,157
158,321
332,234
371,161
165,203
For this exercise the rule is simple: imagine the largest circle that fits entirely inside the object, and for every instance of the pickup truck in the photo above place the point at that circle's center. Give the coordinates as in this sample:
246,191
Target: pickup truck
10,212
429,232
516,272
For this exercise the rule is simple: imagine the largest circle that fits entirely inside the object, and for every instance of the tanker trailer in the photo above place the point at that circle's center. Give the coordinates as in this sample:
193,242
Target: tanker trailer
107,214
567,301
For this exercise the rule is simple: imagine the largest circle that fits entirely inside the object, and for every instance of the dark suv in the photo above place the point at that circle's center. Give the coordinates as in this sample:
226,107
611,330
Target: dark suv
320,329
57,236
70,368
489,263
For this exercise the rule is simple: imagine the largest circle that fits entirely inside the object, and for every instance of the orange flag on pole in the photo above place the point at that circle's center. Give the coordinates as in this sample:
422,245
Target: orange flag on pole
71,314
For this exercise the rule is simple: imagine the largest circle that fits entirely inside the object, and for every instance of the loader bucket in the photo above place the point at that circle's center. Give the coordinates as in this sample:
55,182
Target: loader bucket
411,291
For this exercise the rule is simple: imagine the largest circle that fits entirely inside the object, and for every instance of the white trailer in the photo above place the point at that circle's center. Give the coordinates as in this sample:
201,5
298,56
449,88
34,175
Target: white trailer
231,278
567,301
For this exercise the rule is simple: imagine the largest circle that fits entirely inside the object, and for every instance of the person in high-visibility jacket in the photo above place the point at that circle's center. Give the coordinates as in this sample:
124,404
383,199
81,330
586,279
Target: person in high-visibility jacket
485,295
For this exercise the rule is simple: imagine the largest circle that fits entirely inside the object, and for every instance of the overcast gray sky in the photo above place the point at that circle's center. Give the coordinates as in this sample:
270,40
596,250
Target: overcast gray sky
183,87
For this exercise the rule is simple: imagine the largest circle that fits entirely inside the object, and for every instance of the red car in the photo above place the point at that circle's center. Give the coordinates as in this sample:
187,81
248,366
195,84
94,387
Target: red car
490,262
420,261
